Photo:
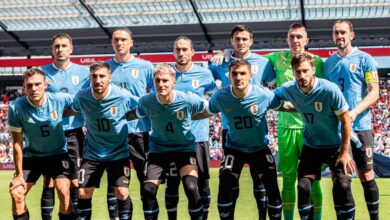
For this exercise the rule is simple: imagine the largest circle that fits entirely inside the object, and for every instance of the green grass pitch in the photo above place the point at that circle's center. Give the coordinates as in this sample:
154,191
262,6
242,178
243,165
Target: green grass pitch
246,207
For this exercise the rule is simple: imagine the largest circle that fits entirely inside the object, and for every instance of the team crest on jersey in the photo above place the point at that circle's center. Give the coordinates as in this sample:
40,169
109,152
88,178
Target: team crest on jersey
114,110
75,80
54,115
126,171
192,160
254,109
65,164
254,69
135,73
318,106
270,158
180,115
352,67
195,83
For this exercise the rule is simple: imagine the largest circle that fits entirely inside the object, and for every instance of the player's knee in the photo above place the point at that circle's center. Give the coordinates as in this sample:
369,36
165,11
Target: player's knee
190,183
150,190
366,175
85,193
304,185
18,194
121,193
343,184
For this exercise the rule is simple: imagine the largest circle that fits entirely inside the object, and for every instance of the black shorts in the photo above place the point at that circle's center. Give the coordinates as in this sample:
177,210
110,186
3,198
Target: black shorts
139,147
118,173
75,140
260,162
224,134
364,156
54,167
160,163
202,160
311,160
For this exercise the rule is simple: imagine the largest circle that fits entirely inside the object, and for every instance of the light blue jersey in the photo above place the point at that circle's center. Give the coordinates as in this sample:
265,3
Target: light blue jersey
352,73
319,109
42,127
135,75
171,123
106,123
262,72
70,80
199,81
245,117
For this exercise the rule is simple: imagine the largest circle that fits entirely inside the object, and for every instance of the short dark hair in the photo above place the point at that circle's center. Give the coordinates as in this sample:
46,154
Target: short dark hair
296,26
33,71
241,28
349,23
62,35
297,60
239,62
99,65
183,38
125,29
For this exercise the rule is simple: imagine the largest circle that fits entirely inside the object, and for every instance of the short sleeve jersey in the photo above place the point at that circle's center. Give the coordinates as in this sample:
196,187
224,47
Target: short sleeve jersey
106,123
319,109
199,81
135,75
245,117
70,80
41,126
352,73
281,62
171,123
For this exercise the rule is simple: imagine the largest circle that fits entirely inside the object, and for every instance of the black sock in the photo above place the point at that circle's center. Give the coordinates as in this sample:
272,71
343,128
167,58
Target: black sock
70,216
85,209
47,203
24,216
74,196
111,203
371,194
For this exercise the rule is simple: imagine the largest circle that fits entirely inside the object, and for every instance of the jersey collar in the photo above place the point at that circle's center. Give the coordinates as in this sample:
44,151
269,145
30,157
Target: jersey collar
174,97
108,93
246,57
249,91
68,67
131,58
189,70
353,50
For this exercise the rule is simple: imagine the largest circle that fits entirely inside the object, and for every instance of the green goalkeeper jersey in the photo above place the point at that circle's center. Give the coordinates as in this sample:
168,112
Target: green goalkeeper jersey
281,61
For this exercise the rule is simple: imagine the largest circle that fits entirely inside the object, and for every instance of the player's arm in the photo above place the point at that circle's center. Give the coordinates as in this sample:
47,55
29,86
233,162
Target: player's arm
132,115
371,97
69,112
17,138
201,115
344,157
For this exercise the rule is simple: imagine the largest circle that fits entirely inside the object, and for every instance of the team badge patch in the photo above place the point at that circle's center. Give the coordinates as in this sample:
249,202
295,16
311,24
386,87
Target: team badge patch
192,161
54,115
254,69
180,115
75,80
135,73
126,171
254,109
369,151
114,110
318,106
353,67
195,83
65,164
270,158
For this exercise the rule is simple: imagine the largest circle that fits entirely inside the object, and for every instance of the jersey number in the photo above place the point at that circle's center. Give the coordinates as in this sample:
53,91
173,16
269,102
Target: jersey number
169,127
243,122
45,130
341,82
103,124
309,117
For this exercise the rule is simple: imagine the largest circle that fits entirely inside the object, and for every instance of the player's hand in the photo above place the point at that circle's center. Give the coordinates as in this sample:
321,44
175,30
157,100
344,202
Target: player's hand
347,163
17,182
218,58
352,115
